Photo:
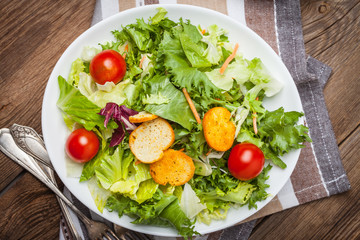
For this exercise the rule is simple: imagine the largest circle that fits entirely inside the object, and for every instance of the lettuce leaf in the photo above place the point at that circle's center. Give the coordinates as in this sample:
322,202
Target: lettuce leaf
146,190
194,52
89,167
206,216
178,219
190,203
281,134
77,67
259,193
99,194
213,52
137,177
185,76
159,15
236,70
161,210
116,95
155,99
261,76
141,38
79,108
111,167
162,85
88,53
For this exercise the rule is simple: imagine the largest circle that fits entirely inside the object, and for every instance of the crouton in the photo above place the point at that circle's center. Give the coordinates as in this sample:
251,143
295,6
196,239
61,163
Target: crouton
174,168
219,131
142,117
148,141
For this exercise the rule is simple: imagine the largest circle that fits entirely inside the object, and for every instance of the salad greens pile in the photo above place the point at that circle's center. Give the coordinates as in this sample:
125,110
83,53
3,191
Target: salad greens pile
176,55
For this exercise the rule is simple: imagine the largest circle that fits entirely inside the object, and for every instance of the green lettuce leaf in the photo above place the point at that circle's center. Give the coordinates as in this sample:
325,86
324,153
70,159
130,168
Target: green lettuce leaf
155,99
130,185
160,15
161,210
206,216
171,111
79,108
282,134
191,31
240,194
115,95
146,190
259,193
141,38
89,167
194,52
178,219
77,67
213,52
99,194
88,53
237,70
185,76
190,203
113,167
261,76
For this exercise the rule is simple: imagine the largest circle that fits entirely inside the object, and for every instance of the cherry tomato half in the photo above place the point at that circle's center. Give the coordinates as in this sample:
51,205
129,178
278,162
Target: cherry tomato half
246,161
107,66
82,145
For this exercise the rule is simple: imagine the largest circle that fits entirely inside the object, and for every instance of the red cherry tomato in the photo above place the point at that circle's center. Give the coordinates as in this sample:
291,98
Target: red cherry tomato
82,145
107,66
246,161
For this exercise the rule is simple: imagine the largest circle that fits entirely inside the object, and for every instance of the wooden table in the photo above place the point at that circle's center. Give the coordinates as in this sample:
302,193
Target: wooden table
35,33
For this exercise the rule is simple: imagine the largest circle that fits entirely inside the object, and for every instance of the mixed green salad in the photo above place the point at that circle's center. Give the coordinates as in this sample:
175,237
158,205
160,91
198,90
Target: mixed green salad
162,58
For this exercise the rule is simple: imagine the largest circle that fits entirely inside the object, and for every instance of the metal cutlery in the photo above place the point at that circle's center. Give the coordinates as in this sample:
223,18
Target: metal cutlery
96,230
31,143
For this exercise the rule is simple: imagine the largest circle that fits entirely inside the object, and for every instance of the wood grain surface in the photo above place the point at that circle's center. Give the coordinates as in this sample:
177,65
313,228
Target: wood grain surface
34,34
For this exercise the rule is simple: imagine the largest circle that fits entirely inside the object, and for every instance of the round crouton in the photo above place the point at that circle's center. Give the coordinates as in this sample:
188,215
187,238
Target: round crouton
148,141
219,131
142,117
174,168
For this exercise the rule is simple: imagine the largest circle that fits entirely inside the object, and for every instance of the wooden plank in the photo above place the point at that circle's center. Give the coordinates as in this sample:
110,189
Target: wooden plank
332,35
29,210
336,217
47,28
9,171
34,34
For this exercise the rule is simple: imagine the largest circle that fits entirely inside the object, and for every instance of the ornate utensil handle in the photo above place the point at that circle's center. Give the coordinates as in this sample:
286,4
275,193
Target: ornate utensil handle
10,148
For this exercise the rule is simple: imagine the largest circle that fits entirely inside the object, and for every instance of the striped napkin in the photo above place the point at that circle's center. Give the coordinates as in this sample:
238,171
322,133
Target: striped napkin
319,172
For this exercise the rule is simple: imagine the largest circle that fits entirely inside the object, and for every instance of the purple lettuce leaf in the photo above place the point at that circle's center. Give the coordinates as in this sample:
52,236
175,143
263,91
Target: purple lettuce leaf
120,114
117,136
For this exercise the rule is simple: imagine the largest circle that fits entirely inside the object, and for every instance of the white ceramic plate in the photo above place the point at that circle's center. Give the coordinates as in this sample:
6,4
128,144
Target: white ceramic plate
251,45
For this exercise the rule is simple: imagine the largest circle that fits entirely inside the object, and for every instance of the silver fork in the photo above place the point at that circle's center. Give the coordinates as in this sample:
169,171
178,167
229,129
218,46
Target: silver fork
96,230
